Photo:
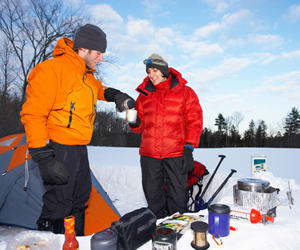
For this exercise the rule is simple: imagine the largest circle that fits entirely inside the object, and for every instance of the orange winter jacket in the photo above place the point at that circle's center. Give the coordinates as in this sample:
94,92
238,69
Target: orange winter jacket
61,99
170,116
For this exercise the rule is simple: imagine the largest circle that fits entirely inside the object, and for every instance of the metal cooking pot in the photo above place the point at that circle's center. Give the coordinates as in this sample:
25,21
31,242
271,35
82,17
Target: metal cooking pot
253,185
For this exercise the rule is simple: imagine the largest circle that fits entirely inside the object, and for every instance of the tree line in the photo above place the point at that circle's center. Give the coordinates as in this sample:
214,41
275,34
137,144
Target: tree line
112,131
29,30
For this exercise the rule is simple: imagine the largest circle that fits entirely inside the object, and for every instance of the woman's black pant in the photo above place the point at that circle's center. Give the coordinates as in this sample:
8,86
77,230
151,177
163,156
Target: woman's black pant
164,186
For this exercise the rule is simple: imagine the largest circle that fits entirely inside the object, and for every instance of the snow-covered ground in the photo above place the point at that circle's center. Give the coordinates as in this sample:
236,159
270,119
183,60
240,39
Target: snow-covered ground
118,171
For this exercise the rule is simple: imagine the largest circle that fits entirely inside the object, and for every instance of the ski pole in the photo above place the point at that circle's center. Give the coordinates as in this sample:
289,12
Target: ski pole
205,205
199,202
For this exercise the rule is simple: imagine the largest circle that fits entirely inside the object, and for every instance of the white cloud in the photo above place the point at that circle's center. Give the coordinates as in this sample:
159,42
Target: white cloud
209,29
294,12
152,4
292,55
232,65
266,41
105,12
236,17
219,5
165,36
263,58
199,49
235,42
139,27
287,78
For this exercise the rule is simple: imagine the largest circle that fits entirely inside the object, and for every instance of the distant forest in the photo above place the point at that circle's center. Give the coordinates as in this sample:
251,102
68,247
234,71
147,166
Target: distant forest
29,30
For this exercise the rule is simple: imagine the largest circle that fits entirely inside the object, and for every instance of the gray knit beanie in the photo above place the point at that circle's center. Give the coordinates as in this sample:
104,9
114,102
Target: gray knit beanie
90,37
158,62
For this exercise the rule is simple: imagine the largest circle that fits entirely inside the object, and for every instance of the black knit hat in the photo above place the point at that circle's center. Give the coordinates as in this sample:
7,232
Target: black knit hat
158,62
90,37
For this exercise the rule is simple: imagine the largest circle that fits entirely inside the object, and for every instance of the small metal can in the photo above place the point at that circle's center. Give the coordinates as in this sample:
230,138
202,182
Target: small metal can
164,238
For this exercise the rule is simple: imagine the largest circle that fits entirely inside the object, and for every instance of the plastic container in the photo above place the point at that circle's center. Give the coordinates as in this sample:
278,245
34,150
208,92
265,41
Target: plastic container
104,240
219,220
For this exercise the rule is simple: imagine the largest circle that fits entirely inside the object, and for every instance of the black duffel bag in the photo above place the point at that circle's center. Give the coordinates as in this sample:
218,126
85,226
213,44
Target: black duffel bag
134,229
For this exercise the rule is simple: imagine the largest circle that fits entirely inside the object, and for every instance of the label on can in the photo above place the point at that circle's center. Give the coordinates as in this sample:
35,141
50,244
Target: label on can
162,245
239,215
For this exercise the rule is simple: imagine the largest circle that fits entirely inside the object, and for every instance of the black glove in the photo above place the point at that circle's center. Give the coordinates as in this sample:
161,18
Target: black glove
122,100
52,171
137,123
187,161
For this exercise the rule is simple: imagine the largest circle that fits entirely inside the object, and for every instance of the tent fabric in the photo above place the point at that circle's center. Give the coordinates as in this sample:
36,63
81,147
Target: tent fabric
22,208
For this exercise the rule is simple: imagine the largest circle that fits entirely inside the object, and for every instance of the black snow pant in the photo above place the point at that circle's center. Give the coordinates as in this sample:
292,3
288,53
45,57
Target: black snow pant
164,186
61,201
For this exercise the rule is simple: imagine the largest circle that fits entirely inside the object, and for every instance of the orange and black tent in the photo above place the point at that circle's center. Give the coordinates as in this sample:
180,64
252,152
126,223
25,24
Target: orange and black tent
21,190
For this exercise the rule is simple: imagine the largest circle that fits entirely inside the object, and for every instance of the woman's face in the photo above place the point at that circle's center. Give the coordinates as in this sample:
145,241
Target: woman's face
155,76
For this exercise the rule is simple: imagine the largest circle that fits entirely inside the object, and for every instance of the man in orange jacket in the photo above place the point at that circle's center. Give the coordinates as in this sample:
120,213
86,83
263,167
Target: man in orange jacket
58,117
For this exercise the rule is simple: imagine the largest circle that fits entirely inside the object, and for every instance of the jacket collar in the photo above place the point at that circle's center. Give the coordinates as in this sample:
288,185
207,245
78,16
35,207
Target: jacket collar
146,87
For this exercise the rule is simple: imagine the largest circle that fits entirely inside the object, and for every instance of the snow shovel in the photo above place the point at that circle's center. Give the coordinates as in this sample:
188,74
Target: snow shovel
199,202
206,205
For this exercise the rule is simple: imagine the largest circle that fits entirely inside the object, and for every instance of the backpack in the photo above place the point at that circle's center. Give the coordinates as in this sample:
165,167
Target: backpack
194,181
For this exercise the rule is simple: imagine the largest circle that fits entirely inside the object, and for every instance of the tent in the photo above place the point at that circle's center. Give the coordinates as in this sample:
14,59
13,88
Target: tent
21,190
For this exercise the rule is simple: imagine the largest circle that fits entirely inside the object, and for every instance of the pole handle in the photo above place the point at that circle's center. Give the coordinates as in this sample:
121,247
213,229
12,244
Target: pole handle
221,186
206,187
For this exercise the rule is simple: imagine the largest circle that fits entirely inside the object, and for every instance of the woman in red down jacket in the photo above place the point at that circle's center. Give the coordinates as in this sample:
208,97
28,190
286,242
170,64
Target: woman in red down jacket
170,120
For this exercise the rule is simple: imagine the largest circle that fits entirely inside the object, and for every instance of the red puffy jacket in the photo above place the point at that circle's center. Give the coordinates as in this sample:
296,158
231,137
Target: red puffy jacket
170,115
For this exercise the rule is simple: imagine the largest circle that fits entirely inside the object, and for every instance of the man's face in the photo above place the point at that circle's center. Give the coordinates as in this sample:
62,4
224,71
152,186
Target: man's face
92,58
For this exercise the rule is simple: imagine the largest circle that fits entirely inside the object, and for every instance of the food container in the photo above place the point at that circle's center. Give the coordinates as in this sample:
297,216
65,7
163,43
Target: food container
255,193
104,240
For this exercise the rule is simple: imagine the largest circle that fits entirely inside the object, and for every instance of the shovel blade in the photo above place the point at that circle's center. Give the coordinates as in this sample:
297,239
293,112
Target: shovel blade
198,204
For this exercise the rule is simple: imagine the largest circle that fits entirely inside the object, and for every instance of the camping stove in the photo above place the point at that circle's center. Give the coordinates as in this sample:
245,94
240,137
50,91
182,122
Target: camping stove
257,194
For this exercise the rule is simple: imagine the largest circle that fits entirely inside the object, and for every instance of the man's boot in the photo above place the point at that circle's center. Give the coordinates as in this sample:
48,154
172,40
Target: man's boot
58,226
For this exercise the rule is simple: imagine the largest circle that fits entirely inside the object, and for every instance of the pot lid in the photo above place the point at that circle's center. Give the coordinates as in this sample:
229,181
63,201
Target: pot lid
254,182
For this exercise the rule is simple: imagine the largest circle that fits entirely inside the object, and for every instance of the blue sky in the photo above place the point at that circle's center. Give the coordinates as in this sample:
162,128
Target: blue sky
241,57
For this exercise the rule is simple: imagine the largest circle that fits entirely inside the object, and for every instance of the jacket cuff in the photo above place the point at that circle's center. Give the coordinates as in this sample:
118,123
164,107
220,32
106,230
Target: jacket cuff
189,146
110,93
38,154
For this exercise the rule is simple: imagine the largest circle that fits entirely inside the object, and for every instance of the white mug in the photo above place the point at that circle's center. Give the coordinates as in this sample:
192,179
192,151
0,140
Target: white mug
131,115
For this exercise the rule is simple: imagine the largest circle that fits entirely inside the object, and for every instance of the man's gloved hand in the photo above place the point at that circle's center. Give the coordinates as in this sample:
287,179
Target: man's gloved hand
122,100
187,160
52,171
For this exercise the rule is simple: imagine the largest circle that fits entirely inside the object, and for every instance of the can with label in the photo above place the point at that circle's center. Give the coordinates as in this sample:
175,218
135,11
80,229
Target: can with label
164,238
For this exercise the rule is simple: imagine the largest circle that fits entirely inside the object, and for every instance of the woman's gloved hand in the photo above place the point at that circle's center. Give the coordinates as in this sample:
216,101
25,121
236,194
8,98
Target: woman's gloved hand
187,160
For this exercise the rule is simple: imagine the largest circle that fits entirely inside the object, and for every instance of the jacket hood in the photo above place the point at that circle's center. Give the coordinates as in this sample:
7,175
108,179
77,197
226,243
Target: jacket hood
178,82
64,46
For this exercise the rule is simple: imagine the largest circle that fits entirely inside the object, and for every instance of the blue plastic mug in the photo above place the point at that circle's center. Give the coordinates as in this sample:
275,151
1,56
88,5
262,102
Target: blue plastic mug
219,220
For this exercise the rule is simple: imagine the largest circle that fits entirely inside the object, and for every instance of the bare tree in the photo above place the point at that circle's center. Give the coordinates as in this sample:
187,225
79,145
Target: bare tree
33,26
237,118
7,75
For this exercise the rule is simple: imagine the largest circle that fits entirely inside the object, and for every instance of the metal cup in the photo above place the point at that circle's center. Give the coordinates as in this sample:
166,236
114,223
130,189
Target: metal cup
131,115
